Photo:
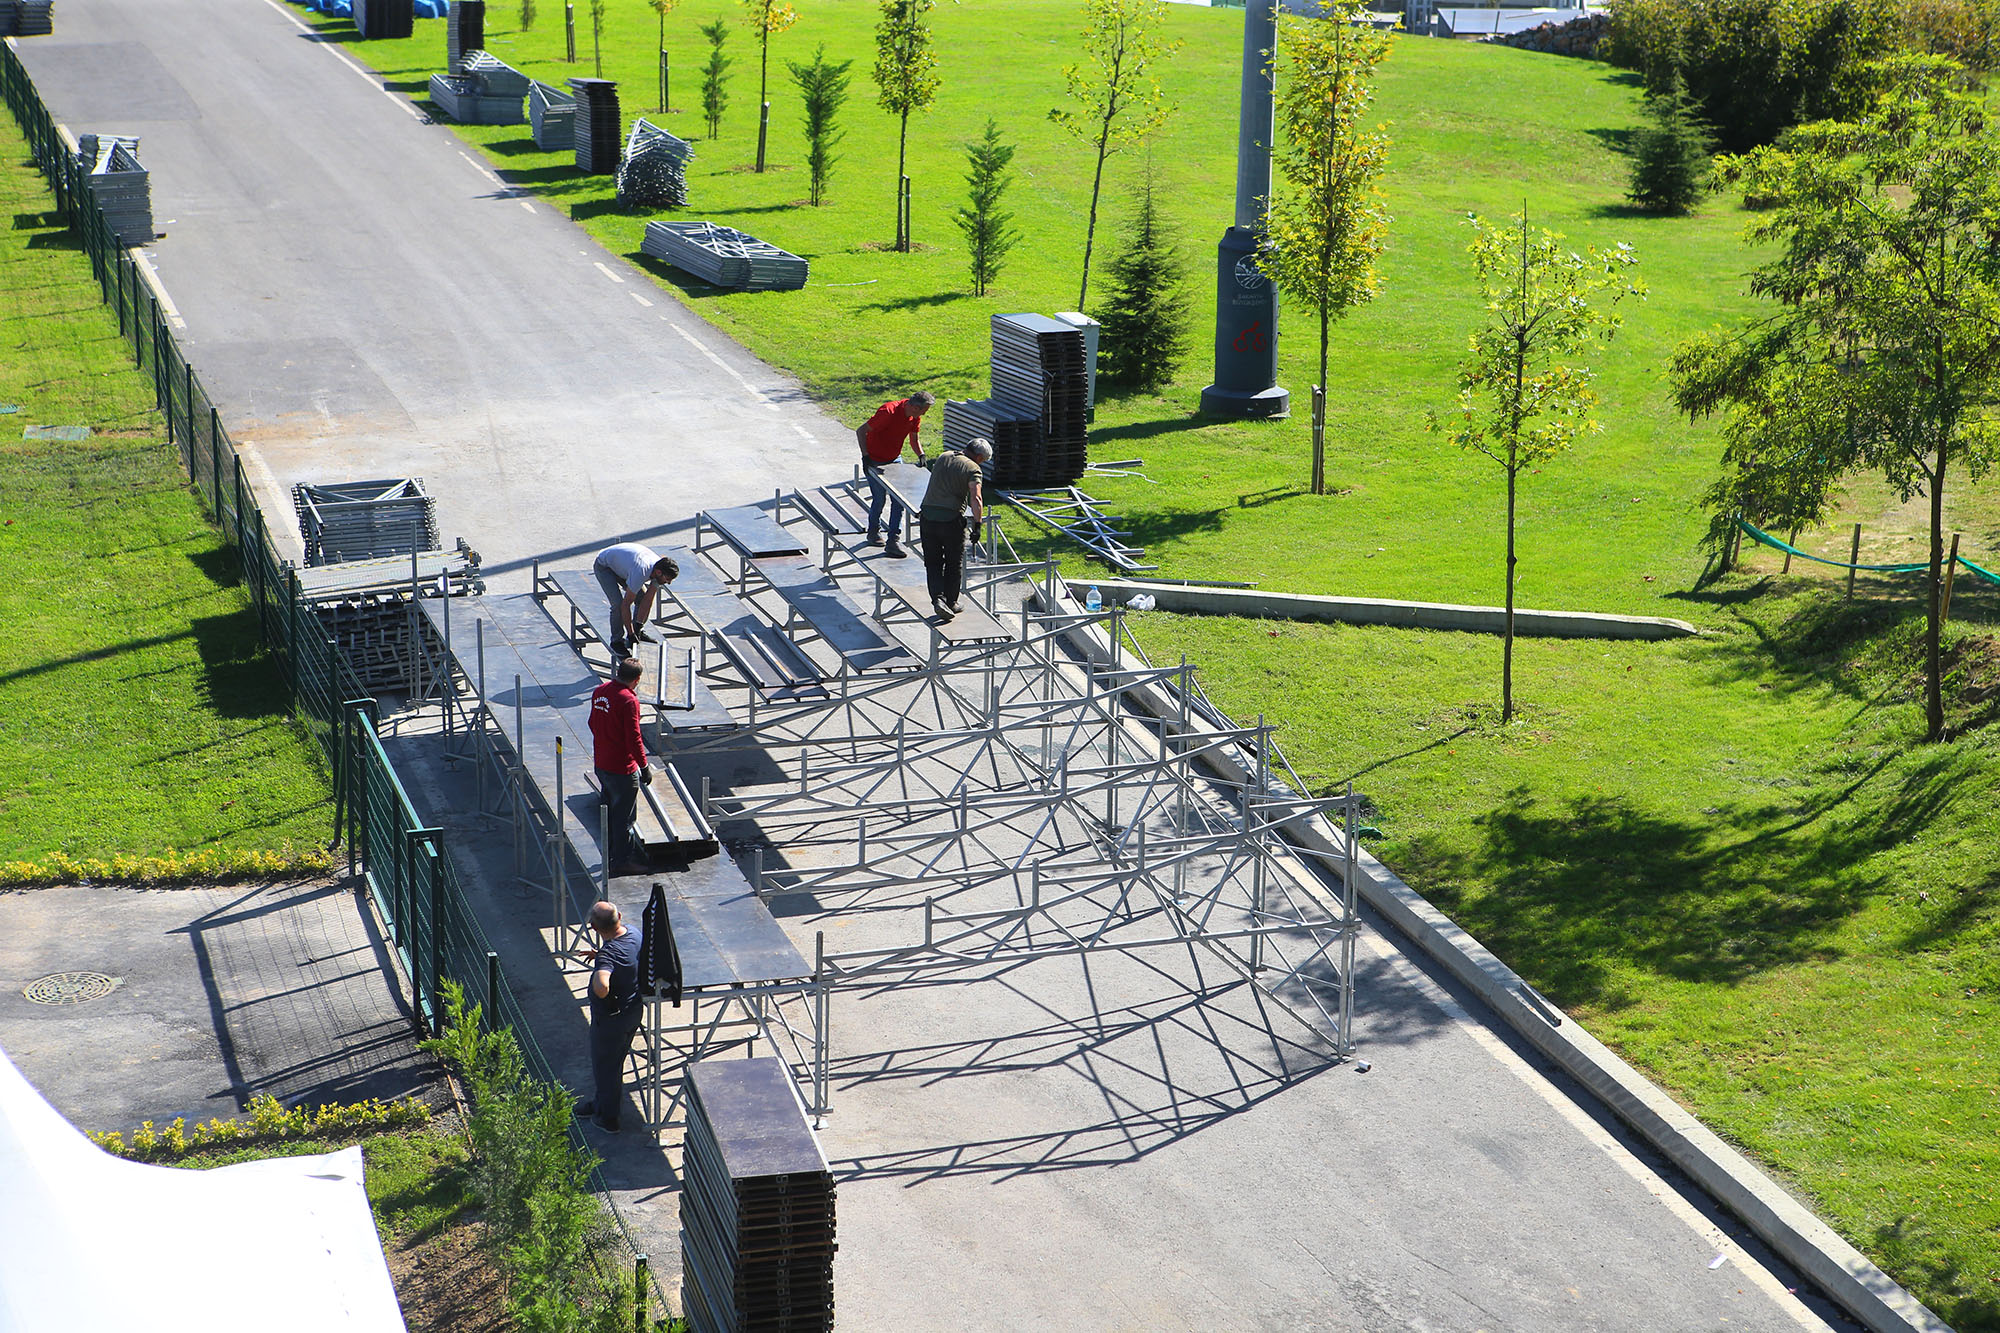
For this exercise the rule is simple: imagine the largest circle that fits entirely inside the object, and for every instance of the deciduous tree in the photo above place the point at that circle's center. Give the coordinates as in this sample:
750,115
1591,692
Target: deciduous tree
1522,399
1327,223
766,17
663,8
1883,354
906,75
1117,94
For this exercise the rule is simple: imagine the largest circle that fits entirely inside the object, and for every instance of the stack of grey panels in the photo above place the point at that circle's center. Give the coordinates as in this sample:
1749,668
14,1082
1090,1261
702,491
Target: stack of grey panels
653,174
385,18
364,607
488,92
464,33
724,256
121,186
757,1204
364,520
1040,370
34,18
10,18
1016,464
597,126
552,118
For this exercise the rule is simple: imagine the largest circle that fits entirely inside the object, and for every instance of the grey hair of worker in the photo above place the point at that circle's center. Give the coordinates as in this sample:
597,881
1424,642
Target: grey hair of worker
979,450
605,917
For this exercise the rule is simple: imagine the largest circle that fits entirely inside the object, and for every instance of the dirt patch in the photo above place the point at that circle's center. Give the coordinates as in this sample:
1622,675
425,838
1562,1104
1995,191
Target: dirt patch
447,1284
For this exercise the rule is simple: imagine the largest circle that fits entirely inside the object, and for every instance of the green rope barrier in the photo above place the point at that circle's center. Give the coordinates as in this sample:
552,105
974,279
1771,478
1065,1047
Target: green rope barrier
1780,545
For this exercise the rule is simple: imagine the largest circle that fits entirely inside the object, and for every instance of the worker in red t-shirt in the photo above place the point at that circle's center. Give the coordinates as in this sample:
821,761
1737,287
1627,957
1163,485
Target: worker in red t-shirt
619,755
882,438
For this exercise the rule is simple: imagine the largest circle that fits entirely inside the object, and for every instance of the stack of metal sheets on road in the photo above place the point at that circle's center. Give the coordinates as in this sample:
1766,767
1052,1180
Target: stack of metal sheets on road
756,1204
363,520
552,118
30,18
1017,441
1040,370
724,256
464,33
653,174
119,184
364,607
488,92
597,126
385,18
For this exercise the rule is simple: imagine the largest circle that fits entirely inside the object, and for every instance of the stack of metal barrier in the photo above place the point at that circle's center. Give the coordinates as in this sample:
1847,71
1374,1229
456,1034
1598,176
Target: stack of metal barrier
1040,370
487,92
27,18
756,1204
724,256
120,185
364,607
551,118
597,126
653,173
1017,441
385,18
464,33
364,520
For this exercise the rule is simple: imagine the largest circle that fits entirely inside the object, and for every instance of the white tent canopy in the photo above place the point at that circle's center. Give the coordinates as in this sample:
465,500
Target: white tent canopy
91,1243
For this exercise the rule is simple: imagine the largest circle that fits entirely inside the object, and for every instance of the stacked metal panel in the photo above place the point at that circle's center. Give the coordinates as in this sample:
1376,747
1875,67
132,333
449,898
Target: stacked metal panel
464,33
32,18
597,126
1040,369
724,256
385,18
364,520
757,1204
120,185
1017,441
364,607
653,174
552,118
488,92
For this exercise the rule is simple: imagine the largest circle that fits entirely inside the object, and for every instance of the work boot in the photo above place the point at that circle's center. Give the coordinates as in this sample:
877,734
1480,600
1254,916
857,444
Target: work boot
874,536
894,550
944,610
643,637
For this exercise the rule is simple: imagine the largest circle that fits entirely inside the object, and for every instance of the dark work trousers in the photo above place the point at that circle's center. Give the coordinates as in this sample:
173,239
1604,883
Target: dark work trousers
621,794
944,557
610,1042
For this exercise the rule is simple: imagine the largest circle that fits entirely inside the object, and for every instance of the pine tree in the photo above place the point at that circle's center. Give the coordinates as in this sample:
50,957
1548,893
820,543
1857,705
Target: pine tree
1671,156
715,76
987,235
822,88
1145,318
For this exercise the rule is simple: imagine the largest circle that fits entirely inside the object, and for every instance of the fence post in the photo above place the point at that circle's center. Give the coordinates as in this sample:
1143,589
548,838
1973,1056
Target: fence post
214,434
1950,576
432,843
1853,559
119,268
639,1295
292,627
492,991
187,387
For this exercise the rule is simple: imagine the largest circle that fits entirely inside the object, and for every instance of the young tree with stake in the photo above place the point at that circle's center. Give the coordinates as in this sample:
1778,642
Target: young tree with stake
906,75
988,237
597,36
663,8
1118,97
1520,400
1324,230
767,17
1884,353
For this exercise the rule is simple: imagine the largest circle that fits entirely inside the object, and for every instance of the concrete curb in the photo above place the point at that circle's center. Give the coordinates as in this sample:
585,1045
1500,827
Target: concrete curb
1404,615
1787,1226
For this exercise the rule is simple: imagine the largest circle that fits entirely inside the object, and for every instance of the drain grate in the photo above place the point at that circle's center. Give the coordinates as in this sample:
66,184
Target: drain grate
71,988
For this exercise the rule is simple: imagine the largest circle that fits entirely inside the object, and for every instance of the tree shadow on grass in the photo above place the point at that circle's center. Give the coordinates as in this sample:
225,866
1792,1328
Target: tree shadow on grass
919,302
1621,141
1921,1262
1593,887
1102,438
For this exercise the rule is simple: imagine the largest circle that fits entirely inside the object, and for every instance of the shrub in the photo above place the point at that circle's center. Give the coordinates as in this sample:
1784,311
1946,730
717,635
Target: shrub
1968,31
1671,157
269,1122
1145,317
988,237
1756,67
822,92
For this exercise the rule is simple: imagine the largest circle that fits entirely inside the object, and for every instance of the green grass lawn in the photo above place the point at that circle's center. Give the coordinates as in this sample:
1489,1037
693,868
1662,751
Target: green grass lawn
136,717
1726,854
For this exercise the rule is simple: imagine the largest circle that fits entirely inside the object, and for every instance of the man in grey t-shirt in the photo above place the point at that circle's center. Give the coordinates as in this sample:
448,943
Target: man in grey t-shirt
941,520
631,575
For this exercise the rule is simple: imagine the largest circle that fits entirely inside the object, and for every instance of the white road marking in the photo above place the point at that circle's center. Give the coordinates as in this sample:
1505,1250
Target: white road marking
476,167
374,79
144,262
640,299
803,431
726,368
606,272
1753,1272
525,204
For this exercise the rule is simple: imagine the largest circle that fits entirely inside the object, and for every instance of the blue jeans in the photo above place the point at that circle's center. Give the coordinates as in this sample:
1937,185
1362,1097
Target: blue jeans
880,491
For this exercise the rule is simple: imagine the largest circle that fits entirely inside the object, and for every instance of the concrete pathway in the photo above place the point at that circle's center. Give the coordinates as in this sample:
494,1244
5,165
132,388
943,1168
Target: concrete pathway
1083,1148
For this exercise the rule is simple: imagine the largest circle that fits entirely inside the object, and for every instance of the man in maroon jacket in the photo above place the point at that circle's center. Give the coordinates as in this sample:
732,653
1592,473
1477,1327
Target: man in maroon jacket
882,438
619,755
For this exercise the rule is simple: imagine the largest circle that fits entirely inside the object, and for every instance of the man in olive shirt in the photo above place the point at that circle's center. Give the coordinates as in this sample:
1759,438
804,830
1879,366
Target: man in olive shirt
941,519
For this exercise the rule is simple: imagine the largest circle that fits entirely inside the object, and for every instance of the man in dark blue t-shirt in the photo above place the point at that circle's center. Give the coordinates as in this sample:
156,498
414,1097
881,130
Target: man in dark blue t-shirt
615,1010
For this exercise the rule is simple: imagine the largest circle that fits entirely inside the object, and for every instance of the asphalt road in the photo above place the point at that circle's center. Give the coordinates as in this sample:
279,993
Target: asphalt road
365,300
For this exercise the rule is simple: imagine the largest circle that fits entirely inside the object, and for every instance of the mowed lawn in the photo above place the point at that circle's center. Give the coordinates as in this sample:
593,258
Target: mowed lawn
1728,855
137,719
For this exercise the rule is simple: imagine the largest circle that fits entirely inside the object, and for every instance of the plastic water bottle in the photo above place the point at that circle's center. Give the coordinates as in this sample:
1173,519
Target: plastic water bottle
1092,601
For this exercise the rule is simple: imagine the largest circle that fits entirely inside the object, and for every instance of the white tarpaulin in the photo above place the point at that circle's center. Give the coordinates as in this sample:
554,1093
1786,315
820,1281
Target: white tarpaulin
91,1243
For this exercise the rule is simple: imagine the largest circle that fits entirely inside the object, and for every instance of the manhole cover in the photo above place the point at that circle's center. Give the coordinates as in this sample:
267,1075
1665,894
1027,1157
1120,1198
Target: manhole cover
71,988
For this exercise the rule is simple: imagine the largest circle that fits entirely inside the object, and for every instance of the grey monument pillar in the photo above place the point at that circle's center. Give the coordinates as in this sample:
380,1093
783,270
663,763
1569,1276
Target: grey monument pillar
1246,302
